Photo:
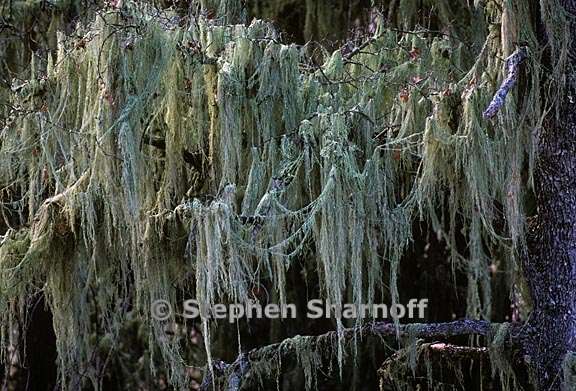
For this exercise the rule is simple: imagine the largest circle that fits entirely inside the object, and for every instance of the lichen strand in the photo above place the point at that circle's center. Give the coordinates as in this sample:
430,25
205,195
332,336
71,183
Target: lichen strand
209,156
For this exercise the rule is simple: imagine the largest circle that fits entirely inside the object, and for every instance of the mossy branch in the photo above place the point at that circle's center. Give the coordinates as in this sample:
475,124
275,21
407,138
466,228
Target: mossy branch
235,372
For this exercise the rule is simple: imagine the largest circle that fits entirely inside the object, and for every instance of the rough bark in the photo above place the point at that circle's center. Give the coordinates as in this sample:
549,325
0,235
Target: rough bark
550,266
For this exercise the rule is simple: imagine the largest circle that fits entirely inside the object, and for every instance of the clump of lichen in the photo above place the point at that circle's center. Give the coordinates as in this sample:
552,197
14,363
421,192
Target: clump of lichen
150,157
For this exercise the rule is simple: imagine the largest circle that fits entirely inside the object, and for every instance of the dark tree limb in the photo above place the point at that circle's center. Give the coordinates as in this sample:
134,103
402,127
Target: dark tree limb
455,351
436,330
446,330
237,371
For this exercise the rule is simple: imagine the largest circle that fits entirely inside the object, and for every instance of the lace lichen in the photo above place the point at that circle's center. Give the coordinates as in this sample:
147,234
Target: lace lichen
155,158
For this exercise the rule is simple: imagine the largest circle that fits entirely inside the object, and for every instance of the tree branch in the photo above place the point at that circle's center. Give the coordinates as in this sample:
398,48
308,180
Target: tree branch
238,370
512,64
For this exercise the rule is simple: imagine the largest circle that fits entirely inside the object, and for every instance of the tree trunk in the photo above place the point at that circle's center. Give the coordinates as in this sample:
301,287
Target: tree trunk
550,267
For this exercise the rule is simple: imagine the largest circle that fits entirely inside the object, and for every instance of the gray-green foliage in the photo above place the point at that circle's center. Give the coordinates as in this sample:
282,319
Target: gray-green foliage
339,158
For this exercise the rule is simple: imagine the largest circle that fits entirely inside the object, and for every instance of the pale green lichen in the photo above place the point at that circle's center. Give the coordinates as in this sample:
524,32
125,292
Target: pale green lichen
501,365
208,157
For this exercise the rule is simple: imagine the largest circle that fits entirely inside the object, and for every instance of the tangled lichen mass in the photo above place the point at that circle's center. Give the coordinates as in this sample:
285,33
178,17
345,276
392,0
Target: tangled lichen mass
149,154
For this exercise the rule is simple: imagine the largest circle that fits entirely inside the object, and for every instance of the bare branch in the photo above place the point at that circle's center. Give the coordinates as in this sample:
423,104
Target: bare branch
512,64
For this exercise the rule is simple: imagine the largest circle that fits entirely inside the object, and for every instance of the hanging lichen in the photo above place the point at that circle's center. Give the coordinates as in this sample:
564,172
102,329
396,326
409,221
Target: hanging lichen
150,157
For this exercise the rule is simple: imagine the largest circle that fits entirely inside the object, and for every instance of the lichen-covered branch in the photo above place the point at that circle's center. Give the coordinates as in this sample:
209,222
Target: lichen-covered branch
381,329
323,344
